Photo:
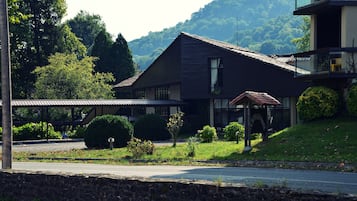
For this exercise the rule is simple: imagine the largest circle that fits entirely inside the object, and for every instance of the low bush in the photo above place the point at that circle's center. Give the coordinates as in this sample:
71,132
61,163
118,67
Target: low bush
151,127
191,146
207,134
139,148
232,130
78,132
256,136
317,102
35,131
103,127
352,101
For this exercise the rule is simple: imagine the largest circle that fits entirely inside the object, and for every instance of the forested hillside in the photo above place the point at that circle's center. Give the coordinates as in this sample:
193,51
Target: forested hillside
266,26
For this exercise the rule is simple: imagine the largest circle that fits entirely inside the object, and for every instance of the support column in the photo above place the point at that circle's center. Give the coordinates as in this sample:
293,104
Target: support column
211,112
247,144
293,111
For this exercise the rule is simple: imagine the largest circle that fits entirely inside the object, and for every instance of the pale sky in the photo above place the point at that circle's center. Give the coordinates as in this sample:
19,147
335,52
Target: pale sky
136,18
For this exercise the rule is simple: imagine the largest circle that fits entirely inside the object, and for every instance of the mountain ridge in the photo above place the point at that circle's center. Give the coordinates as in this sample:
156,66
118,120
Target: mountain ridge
264,26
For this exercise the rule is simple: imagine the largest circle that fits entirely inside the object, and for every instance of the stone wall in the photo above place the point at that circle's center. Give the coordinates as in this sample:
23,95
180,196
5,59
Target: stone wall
41,186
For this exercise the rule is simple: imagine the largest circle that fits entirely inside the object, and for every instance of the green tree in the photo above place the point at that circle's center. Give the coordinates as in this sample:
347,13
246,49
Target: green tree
66,77
303,43
15,16
68,43
174,125
101,49
33,39
122,65
86,27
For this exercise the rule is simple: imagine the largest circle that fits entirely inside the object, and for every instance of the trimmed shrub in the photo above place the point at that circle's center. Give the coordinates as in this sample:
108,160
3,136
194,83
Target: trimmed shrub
103,127
35,131
317,102
207,134
139,148
352,100
151,127
230,131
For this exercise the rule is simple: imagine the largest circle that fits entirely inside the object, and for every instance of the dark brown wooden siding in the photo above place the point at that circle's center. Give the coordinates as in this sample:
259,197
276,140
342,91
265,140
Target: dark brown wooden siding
165,70
240,73
243,73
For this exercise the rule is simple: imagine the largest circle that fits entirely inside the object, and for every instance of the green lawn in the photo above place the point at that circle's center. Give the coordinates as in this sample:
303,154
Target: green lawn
323,141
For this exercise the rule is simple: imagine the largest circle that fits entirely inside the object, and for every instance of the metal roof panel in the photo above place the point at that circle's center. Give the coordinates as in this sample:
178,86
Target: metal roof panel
91,102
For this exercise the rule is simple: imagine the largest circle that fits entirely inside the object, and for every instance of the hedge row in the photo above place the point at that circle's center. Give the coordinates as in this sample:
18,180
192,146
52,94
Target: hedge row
34,131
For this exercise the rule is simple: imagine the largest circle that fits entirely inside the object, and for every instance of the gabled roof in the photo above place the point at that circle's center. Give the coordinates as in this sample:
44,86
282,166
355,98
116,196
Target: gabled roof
257,98
226,46
248,53
128,82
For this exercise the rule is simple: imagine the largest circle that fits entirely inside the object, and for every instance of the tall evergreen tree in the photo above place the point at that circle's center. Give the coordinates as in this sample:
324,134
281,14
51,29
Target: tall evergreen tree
101,49
122,63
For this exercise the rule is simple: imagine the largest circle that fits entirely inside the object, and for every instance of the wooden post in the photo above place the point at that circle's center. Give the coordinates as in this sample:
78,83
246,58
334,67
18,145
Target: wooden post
247,144
267,124
5,87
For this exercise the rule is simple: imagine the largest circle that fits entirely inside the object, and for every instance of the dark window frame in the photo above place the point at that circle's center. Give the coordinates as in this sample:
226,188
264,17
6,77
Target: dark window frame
162,93
216,88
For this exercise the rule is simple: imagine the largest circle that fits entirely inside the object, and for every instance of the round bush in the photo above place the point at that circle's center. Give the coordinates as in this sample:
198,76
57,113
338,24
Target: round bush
151,127
352,101
231,129
103,127
207,134
317,102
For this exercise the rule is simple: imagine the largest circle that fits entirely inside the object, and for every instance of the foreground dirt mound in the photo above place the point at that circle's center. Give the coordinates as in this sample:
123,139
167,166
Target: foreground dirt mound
41,186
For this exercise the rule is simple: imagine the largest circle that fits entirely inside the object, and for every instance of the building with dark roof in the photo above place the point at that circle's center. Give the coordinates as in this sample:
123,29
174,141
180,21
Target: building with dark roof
207,74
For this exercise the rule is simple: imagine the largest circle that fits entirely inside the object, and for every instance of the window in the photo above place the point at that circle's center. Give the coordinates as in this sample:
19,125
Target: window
216,66
140,94
162,111
162,93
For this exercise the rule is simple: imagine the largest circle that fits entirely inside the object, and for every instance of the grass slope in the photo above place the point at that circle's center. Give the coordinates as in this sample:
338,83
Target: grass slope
323,141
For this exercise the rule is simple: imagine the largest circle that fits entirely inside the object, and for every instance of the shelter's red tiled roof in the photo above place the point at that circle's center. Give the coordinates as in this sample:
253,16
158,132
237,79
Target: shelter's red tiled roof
257,98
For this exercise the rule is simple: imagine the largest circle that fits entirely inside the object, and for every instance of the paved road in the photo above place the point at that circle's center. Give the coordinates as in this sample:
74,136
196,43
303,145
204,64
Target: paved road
325,181
335,182
47,146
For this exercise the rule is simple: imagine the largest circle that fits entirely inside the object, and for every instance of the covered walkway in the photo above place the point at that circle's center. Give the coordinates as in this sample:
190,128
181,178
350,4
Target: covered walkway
98,107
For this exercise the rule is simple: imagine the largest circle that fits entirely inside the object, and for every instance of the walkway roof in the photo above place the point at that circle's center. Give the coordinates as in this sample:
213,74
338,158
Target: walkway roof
92,102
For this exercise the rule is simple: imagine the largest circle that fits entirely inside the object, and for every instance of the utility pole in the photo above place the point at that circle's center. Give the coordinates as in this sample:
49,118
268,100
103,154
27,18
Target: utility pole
5,87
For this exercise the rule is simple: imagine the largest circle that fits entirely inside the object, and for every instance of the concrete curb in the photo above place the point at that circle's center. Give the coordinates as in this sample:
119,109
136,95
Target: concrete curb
45,141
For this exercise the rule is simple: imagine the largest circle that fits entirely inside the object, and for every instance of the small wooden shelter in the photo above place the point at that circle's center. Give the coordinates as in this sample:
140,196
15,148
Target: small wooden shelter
250,99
